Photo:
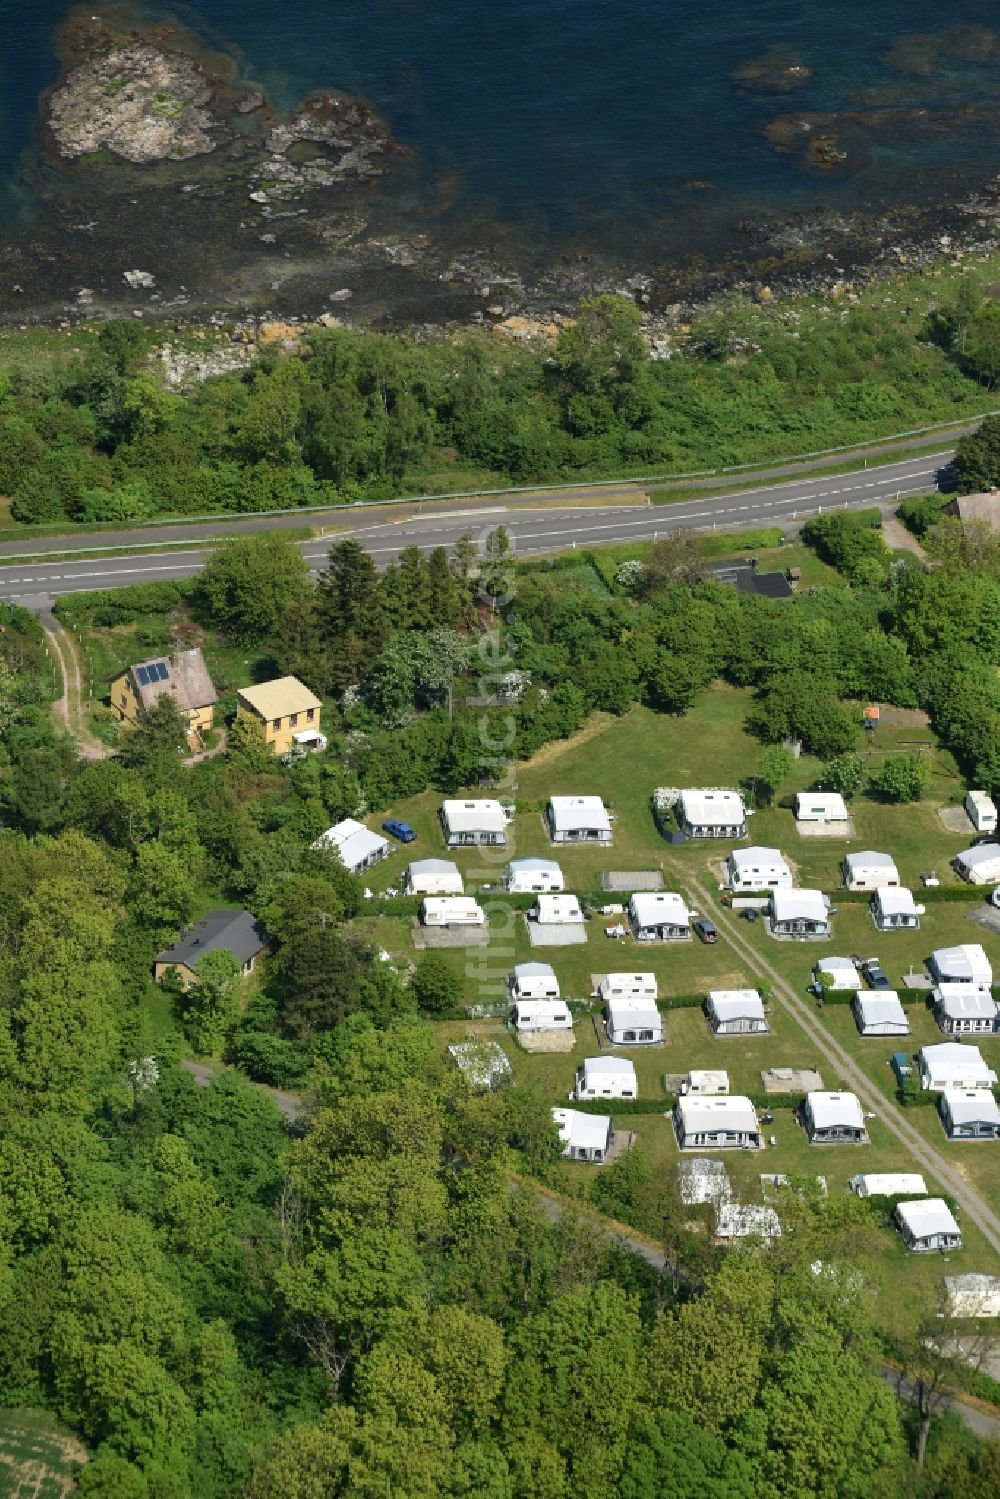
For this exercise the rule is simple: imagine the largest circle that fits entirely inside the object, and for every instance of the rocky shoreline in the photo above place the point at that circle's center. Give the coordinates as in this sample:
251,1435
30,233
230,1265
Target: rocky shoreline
168,187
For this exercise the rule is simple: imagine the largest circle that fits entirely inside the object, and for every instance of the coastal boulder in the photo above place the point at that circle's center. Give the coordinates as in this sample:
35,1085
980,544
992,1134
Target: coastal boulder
139,102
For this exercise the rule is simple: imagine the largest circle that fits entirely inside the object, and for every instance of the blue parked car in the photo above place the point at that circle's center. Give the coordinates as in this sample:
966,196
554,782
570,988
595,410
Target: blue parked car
397,829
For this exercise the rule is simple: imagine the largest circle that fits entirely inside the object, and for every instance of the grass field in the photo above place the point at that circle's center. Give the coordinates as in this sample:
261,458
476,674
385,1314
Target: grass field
622,760
38,1457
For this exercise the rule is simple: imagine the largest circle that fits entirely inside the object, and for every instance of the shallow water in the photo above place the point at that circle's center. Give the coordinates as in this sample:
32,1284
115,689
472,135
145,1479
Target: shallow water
582,124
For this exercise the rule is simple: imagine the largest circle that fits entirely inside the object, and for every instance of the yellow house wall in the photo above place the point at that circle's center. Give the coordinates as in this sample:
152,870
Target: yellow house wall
123,701
188,976
280,739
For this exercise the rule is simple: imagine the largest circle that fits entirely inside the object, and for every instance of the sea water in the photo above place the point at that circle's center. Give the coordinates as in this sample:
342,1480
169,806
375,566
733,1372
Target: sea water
589,123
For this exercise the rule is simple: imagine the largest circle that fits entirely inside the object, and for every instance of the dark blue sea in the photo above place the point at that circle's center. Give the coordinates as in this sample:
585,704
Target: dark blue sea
586,122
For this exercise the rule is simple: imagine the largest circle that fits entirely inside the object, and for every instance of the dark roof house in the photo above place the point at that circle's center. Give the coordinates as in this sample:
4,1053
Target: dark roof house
235,931
181,676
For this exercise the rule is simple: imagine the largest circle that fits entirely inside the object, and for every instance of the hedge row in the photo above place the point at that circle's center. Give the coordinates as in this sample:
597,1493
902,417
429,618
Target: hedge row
623,1105
839,996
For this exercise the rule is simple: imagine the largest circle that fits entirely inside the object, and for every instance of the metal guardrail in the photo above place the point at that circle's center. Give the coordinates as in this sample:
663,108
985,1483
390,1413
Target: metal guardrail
629,481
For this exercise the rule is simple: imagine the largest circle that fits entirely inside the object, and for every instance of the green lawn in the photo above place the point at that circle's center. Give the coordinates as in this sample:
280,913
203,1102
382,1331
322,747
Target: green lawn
622,760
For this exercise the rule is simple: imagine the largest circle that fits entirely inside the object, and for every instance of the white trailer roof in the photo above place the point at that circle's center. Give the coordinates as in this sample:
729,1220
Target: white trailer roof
971,1106
573,814
965,964
931,1216
659,908
433,866
534,866
982,861
835,1111
965,1002
558,908
717,808
533,971
828,804
482,816
842,969
736,1004
757,857
867,859
958,1060
628,983
454,908
582,1131
706,1115
888,1184
618,1068
708,1077
799,905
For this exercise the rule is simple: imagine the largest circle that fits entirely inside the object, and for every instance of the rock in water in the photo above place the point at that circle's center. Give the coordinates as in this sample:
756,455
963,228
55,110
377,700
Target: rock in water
139,102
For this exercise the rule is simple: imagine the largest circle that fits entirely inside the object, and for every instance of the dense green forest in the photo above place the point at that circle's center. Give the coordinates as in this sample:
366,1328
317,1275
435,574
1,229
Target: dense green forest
376,1300
374,1306
360,415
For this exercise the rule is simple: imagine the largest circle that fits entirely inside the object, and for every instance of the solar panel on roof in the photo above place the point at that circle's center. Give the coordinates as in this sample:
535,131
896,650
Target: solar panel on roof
142,672
161,671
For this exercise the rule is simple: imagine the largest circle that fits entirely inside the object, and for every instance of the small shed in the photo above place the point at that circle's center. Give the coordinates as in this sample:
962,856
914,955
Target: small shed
834,1119
756,868
868,870
578,819
953,1064
820,806
964,1010
451,910
715,813
982,811
533,981
533,877
557,910
467,824
888,1184
736,1012
980,866
585,1137
965,964
659,916
633,1021
799,913
357,847
605,1077
716,1124
894,909
969,1114
927,1225
880,1014
434,877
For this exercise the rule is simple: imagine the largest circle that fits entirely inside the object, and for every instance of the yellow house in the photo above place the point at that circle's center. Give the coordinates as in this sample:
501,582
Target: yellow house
288,711
182,675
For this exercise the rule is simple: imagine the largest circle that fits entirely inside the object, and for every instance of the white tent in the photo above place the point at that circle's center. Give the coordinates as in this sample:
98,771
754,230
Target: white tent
659,916
894,908
357,846
466,823
557,910
585,1137
713,814
950,1064
578,819
880,1014
965,964
980,866
633,1022
757,868
533,981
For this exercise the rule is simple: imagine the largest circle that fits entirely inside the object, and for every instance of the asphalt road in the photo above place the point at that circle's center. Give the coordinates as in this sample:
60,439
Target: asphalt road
534,529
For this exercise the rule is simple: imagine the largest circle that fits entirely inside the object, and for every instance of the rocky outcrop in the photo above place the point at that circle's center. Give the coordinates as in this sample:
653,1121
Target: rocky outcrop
138,101
776,72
